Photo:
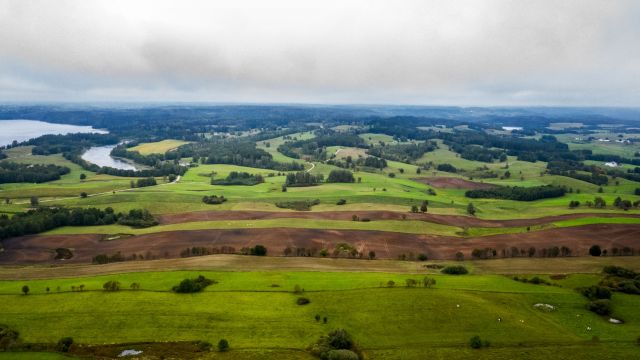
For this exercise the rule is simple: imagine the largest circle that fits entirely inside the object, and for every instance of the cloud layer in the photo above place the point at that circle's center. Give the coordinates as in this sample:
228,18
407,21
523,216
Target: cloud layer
571,52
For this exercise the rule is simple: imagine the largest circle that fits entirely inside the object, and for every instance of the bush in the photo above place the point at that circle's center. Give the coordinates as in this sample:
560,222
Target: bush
8,337
193,285
111,285
455,270
596,292
258,250
340,339
223,345
477,343
342,354
447,168
341,202
619,271
600,307
214,199
422,257
302,301
299,205
64,344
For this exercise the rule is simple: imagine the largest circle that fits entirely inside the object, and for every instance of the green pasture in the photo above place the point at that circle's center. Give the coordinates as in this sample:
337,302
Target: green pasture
158,147
256,311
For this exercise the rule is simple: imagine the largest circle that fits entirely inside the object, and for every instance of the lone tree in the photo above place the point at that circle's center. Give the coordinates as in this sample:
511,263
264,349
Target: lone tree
25,289
34,201
223,345
595,250
83,176
471,210
423,206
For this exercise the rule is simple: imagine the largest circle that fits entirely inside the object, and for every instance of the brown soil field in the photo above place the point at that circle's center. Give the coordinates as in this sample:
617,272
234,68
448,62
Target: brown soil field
453,220
453,183
39,249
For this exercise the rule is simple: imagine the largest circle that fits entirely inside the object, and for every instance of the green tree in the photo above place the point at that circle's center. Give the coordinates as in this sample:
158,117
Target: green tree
223,345
35,201
25,289
83,176
111,285
471,210
595,250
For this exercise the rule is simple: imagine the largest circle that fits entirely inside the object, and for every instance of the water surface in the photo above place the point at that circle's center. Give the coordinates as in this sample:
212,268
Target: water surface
23,130
99,155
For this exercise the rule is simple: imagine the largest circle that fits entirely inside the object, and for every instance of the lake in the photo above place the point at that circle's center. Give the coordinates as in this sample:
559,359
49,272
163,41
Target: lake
99,155
22,130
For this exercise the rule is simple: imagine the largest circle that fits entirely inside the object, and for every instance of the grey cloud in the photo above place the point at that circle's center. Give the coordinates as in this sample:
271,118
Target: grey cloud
493,52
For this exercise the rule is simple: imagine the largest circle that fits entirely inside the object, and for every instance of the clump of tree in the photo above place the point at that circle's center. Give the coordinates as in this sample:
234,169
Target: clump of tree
407,153
43,219
11,172
621,279
193,285
340,176
111,285
303,178
534,280
446,168
298,205
106,259
337,345
239,178
144,182
454,270
214,199
138,218
8,337
518,193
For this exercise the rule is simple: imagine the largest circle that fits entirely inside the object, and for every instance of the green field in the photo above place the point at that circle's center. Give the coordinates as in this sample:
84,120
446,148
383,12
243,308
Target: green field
158,147
399,323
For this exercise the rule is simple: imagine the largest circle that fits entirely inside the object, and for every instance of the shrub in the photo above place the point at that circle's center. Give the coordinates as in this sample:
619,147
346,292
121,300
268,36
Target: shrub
258,250
595,250
600,307
64,344
340,339
223,345
204,346
298,205
455,270
25,289
214,199
193,285
341,354
477,343
302,301
111,285
8,337
422,257
619,271
341,202
596,292
447,168
83,195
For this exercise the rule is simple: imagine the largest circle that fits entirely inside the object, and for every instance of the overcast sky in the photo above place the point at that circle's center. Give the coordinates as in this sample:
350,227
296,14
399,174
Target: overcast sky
473,52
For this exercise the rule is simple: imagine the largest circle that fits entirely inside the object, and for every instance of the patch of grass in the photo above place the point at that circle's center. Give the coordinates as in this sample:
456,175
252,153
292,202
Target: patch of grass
158,147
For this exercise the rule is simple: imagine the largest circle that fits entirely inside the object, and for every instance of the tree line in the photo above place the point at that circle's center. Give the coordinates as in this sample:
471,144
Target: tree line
518,193
11,172
46,218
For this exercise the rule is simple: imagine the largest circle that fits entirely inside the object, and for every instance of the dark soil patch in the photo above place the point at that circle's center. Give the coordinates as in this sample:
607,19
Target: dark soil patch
389,245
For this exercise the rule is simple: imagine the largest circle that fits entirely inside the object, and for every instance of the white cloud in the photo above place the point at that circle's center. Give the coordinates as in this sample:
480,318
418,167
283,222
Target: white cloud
573,52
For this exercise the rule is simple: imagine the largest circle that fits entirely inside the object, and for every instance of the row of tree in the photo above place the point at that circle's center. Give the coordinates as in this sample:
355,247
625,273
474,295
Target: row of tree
518,193
11,172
